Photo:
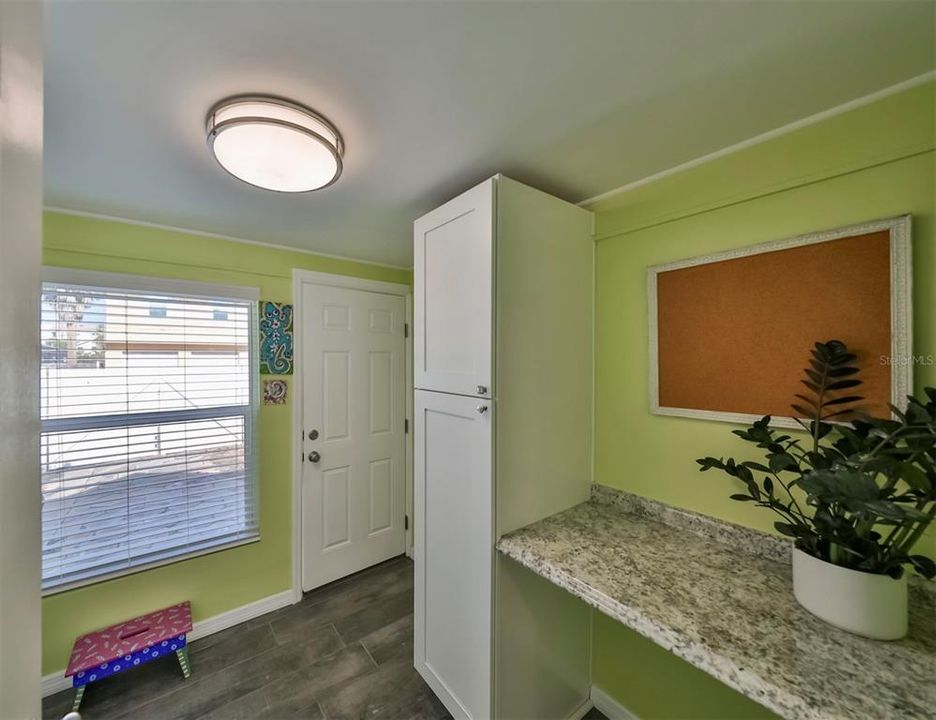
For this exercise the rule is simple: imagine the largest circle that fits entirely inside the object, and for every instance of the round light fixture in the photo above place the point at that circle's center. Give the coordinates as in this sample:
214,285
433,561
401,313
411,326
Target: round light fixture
275,144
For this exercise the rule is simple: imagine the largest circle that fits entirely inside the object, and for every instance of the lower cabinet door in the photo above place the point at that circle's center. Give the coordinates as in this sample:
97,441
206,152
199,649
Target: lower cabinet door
454,550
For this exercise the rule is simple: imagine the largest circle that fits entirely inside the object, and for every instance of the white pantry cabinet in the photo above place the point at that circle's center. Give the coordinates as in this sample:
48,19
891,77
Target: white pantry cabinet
503,317
452,314
453,597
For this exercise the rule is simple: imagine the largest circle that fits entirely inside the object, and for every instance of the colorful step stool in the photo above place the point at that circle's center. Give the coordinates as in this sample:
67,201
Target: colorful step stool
120,647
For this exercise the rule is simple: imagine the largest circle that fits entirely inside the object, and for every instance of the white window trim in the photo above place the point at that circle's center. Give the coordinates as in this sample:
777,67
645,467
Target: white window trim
187,288
147,283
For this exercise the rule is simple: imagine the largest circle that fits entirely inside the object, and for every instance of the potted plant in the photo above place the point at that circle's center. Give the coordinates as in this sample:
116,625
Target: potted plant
855,496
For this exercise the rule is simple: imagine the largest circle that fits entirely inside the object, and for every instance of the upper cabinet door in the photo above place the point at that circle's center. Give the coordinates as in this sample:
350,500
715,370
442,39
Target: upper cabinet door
453,284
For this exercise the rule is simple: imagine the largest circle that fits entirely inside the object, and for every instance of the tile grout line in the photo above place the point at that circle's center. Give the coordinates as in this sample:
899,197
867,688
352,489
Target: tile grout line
361,643
338,634
234,664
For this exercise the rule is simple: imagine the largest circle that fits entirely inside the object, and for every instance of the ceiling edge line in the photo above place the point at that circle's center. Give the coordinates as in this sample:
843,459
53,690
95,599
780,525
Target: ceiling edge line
216,236
766,136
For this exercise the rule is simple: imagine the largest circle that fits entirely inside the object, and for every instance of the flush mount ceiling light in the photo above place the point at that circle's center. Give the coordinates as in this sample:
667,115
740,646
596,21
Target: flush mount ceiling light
275,144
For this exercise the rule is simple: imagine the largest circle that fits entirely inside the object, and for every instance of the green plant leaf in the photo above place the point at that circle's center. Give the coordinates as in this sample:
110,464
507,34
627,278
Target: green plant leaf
709,462
821,431
839,413
842,384
843,400
923,565
863,480
914,476
816,377
781,461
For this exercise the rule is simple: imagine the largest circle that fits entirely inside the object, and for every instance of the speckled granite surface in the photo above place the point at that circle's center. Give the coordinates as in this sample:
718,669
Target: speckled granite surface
674,579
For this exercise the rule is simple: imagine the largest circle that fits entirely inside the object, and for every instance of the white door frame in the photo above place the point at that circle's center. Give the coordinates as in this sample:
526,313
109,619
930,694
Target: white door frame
300,278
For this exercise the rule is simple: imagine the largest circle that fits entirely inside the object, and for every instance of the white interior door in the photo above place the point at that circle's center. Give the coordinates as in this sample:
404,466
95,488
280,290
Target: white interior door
452,279
454,550
352,414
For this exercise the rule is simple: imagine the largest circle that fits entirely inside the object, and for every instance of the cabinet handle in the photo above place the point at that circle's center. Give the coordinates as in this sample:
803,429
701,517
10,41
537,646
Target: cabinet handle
482,409
482,389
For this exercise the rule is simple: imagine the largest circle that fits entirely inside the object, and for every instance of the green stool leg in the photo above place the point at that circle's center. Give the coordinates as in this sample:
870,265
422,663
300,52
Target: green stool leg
78,696
182,654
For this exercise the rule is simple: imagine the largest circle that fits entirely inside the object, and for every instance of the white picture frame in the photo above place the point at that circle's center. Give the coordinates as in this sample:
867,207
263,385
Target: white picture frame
901,311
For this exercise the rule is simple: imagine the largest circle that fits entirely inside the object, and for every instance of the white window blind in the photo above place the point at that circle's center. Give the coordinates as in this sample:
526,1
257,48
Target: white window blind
147,408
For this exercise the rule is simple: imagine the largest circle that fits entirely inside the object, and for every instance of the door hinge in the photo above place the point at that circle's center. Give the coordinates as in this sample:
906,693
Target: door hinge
406,522
406,330
406,425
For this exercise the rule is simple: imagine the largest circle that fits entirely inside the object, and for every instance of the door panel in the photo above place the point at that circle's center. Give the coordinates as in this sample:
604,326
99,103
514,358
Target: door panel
454,549
381,495
452,277
380,367
336,389
336,505
354,398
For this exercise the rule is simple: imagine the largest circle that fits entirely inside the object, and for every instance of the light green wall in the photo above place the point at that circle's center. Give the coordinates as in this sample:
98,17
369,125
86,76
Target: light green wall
873,162
654,684
224,580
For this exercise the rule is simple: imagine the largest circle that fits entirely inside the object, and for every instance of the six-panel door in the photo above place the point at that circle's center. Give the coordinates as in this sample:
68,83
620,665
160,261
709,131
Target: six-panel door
452,284
353,412
454,541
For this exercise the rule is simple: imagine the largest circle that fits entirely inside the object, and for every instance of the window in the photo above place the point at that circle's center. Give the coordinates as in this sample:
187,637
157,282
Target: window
157,311
147,439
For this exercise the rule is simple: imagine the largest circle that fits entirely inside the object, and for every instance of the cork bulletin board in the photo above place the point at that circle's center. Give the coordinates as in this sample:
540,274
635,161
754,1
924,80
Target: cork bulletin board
731,333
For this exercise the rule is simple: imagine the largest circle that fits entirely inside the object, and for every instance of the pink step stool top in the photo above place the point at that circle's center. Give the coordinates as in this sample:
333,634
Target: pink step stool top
119,640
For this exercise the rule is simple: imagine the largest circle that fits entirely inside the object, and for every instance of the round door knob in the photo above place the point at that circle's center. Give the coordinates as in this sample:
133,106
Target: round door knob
482,409
314,457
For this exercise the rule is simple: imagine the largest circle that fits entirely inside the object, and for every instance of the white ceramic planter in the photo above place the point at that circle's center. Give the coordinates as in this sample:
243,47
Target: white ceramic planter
871,605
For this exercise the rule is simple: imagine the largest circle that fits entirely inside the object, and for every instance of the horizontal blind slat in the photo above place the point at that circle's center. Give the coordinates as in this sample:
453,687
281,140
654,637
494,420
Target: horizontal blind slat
147,417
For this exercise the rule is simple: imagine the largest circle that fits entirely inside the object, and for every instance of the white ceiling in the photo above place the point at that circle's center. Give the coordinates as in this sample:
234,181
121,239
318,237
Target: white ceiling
573,97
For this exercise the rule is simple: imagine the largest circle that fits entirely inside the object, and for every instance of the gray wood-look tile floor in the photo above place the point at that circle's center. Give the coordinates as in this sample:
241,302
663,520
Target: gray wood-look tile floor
345,651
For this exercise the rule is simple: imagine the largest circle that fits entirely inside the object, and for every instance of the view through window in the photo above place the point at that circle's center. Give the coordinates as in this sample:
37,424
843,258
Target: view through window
147,425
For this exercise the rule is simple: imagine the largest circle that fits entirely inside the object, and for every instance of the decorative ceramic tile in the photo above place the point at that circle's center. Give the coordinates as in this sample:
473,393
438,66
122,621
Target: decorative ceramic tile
276,338
274,392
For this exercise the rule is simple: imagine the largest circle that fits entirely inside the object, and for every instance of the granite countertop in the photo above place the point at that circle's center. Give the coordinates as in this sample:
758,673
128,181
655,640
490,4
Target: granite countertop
721,597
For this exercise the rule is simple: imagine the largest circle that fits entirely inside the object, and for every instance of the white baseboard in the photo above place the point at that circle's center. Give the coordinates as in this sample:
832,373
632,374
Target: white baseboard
609,707
209,626
581,711
56,681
